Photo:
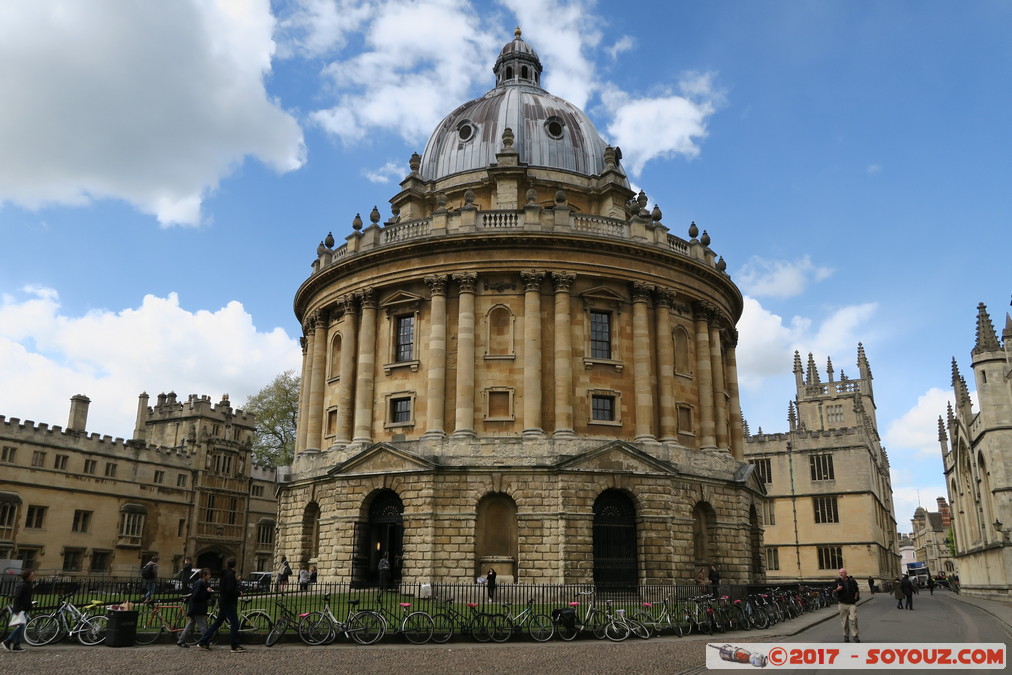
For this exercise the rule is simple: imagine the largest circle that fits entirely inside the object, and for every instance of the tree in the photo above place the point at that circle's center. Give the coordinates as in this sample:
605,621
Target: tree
276,407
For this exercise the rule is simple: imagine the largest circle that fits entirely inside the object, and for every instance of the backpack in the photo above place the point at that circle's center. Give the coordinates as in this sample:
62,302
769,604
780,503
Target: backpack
148,572
288,570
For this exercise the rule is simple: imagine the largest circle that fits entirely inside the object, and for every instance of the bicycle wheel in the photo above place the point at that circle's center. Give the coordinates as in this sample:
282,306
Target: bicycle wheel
478,629
254,626
366,627
149,627
597,624
638,628
616,631
540,627
277,632
736,618
417,628
442,628
92,631
499,627
648,622
42,630
315,628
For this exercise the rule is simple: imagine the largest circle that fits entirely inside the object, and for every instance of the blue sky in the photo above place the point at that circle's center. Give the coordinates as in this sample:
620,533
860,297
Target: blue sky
168,169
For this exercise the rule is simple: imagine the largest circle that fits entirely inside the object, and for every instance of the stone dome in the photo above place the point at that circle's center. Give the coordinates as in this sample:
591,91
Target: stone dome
548,131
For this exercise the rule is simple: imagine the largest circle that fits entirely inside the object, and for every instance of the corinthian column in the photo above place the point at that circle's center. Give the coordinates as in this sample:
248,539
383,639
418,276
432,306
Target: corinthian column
346,385
665,363
435,398
563,355
366,382
731,368
465,354
532,352
302,425
704,377
719,395
314,437
641,363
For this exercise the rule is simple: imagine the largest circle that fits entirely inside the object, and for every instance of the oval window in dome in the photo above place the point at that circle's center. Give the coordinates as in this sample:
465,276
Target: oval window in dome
554,126
466,130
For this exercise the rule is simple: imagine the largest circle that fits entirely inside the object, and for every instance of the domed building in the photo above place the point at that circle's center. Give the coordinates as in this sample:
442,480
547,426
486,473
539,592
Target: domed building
521,368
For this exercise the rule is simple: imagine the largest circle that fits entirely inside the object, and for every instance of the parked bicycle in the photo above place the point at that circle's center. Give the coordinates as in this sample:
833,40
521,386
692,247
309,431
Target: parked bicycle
538,626
667,617
363,626
68,621
572,624
481,626
416,627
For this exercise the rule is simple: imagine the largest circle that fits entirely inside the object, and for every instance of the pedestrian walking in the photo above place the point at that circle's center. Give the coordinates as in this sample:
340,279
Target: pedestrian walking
196,610
283,571
490,583
228,599
908,591
847,594
149,573
304,578
898,592
714,577
186,572
383,567
20,604
312,574
931,585
871,585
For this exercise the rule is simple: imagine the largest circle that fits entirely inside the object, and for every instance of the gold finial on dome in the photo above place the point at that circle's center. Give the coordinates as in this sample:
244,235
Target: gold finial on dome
517,32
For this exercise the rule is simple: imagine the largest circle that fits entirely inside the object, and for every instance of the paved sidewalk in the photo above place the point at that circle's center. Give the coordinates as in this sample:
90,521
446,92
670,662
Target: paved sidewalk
999,610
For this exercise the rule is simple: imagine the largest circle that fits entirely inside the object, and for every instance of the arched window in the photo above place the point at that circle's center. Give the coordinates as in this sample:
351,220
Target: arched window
703,523
615,546
335,357
682,363
500,331
310,532
496,535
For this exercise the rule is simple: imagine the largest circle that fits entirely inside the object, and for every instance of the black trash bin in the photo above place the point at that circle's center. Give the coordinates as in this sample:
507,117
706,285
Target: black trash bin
122,629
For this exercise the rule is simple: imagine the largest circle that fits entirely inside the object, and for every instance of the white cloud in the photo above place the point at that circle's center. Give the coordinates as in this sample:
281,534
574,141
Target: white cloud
385,173
662,126
874,169
780,278
47,357
623,44
915,432
151,103
907,497
316,27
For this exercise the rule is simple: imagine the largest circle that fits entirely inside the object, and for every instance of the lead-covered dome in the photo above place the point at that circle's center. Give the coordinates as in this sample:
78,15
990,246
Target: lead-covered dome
548,131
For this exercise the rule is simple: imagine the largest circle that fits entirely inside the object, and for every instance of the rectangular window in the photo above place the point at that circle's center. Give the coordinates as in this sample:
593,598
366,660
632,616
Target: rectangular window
257,491
400,410
825,510
38,458
90,466
132,525
35,518
600,334
181,480
82,521
772,559
8,517
61,462
233,510
110,470
159,476
181,528
73,559
769,512
834,414
405,348
684,419
265,535
821,466
100,561
499,405
763,469
7,454
602,408
209,509
29,558
830,557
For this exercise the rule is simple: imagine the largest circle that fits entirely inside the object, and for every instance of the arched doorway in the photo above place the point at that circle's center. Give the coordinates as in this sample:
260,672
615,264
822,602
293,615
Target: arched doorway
615,560
381,534
212,560
496,536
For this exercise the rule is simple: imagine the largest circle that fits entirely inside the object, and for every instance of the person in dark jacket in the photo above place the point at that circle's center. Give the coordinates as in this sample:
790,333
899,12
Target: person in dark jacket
908,591
490,583
21,602
228,600
848,593
714,579
197,609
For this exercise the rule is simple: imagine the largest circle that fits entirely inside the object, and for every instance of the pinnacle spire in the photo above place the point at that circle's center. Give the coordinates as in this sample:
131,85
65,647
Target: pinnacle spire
862,363
942,436
987,340
829,368
813,372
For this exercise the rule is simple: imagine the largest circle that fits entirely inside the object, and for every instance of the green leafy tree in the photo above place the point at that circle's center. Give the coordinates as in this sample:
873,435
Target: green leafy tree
276,407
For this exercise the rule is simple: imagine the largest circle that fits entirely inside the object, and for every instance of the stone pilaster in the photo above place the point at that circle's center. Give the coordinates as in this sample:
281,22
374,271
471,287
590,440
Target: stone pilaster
436,386
532,353
314,436
734,400
704,377
563,355
719,394
641,363
302,425
346,385
465,354
366,374
665,364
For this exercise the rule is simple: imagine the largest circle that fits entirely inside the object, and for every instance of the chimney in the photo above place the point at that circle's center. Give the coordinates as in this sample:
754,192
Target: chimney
78,413
943,510
142,417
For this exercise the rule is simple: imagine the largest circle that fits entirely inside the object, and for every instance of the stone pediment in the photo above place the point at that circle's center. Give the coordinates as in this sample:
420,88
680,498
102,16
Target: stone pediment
750,477
616,456
401,301
382,458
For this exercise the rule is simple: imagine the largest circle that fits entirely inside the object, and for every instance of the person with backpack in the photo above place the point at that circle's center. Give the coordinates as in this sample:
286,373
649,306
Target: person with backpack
149,573
187,573
228,602
284,571
196,609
